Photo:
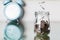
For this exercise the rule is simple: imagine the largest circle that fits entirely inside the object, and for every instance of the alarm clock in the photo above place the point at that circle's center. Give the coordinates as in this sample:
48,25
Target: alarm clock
13,10
14,31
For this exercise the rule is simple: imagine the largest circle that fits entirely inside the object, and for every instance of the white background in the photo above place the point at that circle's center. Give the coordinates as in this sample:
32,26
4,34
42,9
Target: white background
28,20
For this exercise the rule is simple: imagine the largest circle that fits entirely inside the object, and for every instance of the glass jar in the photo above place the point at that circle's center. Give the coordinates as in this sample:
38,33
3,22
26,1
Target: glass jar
42,24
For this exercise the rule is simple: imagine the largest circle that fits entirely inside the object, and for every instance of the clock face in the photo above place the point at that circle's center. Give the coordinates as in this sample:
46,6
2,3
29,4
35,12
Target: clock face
13,11
13,32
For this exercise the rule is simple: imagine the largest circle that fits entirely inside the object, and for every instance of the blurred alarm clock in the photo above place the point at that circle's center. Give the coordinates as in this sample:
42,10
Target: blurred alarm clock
14,31
13,10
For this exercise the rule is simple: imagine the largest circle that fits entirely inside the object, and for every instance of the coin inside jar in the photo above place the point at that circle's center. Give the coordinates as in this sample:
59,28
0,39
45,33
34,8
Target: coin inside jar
44,26
36,28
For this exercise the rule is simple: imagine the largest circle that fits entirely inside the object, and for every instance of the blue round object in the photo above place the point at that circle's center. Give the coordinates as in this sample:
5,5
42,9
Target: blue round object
13,11
14,31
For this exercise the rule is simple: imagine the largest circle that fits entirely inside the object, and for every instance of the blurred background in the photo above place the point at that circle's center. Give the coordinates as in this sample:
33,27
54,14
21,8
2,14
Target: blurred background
53,6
